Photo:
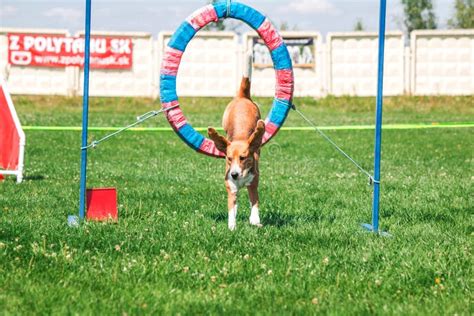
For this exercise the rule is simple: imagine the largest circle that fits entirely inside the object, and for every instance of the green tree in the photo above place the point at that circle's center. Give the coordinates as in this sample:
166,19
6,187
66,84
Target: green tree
419,15
359,26
285,26
463,16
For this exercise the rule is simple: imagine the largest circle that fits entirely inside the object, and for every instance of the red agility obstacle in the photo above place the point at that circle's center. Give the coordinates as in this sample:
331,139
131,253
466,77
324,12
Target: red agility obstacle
12,137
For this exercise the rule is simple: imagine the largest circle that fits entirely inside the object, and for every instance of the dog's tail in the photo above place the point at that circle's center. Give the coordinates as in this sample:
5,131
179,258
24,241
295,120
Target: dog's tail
245,85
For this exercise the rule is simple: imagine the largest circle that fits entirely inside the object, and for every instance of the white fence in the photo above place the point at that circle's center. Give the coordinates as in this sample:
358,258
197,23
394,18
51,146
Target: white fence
442,62
353,61
436,62
136,82
209,66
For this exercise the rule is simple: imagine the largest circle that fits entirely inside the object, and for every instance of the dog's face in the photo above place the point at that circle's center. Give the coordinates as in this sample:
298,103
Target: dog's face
239,159
240,155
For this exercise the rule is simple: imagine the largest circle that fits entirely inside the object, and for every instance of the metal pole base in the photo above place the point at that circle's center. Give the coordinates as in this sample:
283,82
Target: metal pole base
369,228
73,221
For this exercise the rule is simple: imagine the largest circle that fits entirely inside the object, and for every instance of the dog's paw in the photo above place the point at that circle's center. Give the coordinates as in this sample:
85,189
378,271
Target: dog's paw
255,220
232,223
255,217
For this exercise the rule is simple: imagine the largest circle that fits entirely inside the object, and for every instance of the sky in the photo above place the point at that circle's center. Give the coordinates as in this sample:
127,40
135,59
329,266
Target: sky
153,16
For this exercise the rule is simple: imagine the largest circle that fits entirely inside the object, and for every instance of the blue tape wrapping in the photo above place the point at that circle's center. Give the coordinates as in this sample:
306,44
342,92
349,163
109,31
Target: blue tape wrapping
281,58
279,111
240,11
168,88
221,8
182,36
190,136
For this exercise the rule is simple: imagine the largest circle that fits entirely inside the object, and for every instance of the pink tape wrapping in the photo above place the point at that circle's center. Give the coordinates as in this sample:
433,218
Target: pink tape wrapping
270,35
284,86
270,130
209,148
171,61
202,17
175,116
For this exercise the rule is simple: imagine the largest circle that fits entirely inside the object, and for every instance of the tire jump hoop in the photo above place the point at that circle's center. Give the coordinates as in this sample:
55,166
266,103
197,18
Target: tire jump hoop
176,47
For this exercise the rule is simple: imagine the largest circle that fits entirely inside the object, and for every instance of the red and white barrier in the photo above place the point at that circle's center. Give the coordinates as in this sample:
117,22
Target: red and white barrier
12,137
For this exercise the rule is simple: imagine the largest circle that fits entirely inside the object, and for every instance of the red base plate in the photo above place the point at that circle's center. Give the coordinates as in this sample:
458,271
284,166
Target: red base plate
102,204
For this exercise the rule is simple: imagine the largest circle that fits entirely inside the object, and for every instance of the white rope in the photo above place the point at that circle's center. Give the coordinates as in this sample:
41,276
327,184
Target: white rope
140,119
339,149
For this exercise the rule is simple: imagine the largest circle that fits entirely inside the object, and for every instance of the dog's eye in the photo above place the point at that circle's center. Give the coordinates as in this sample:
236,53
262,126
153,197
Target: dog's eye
228,158
242,158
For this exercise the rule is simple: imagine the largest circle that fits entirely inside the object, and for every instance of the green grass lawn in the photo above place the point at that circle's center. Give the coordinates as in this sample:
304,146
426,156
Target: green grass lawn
171,252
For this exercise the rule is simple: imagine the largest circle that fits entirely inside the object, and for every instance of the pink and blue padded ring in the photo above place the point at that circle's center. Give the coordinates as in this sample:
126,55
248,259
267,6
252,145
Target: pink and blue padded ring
176,47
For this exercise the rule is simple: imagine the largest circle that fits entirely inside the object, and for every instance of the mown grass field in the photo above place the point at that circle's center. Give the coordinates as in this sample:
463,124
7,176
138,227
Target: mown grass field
171,252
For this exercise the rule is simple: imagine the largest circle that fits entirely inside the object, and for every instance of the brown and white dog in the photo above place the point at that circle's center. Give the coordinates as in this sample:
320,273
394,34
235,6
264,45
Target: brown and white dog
244,130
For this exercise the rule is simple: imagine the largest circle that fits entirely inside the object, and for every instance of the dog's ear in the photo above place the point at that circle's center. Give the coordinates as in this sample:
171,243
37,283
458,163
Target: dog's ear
220,141
255,140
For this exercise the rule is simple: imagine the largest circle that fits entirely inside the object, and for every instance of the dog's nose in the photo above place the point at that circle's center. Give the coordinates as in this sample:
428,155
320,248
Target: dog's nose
234,175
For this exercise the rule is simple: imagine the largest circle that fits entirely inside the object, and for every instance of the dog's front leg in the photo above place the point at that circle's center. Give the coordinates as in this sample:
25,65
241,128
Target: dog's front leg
232,207
253,197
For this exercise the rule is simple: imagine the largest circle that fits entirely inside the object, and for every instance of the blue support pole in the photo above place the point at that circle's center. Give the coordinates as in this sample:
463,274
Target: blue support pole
378,123
85,111
73,220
